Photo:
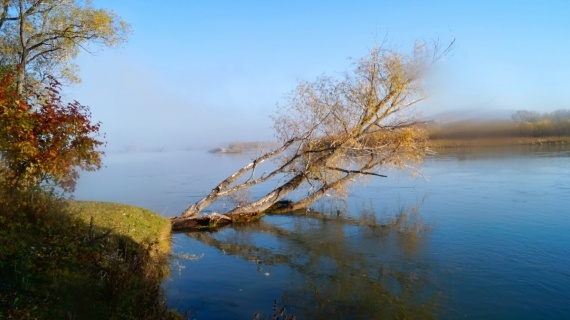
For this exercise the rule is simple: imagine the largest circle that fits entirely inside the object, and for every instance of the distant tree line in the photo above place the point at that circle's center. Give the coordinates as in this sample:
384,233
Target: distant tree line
534,124
523,123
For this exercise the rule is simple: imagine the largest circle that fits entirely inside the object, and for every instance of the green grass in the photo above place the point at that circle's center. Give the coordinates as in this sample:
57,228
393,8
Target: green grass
56,264
140,224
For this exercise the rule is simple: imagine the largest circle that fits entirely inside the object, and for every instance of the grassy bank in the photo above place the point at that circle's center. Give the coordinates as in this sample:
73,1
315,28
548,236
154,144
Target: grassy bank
82,260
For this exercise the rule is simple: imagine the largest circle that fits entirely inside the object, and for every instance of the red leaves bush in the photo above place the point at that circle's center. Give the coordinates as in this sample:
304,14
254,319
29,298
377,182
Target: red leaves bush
44,141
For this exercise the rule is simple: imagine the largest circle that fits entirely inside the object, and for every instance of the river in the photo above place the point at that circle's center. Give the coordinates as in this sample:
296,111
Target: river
480,235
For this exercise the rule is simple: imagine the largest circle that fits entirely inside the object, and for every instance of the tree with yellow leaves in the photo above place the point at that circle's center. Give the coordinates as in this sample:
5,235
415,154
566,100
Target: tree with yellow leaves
335,131
42,37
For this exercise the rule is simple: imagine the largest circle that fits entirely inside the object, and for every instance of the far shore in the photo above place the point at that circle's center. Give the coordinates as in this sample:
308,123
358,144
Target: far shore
492,142
434,143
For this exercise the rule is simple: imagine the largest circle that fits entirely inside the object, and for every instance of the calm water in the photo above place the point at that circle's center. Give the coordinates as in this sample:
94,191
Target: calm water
480,236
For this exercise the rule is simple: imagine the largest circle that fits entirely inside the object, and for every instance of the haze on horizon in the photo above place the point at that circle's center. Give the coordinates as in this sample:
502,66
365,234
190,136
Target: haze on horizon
203,74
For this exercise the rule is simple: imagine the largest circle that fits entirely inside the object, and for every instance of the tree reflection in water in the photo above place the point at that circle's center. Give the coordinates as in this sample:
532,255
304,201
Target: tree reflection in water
342,268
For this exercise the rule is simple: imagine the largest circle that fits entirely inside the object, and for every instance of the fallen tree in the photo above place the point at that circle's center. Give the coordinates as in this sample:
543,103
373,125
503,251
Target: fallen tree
333,132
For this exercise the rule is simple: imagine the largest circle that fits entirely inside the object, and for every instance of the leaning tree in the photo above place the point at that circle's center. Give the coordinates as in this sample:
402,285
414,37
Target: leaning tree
333,132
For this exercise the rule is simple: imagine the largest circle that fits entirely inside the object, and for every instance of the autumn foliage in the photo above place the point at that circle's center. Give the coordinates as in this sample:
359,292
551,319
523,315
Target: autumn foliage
44,141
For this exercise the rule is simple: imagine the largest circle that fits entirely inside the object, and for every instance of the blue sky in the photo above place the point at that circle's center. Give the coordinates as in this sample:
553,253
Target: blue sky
199,74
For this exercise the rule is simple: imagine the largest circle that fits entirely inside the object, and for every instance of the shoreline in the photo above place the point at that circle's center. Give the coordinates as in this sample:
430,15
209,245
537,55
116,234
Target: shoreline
494,142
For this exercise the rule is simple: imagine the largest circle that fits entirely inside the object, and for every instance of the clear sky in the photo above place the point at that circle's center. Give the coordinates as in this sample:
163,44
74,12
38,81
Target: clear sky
203,73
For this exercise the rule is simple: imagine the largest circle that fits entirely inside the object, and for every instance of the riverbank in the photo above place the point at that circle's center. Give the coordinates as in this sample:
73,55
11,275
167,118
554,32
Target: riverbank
492,142
83,260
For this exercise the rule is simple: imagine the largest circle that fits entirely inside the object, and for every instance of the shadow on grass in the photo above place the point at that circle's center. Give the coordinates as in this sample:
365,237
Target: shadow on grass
54,265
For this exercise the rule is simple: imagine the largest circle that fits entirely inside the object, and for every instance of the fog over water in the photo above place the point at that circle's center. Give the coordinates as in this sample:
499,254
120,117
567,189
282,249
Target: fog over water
480,235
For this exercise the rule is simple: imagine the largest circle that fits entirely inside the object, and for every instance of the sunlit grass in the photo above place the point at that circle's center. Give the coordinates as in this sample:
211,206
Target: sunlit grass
140,224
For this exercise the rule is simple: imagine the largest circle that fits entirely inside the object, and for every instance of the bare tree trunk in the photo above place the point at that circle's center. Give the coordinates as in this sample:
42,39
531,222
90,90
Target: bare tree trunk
269,199
311,198
248,212
278,193
221,190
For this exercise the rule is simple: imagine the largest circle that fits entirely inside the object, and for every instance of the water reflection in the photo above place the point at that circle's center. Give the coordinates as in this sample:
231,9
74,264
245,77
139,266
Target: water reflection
340,268
498,247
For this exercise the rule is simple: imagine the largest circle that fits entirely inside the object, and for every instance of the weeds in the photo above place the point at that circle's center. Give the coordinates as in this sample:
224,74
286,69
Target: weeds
279,313
57,265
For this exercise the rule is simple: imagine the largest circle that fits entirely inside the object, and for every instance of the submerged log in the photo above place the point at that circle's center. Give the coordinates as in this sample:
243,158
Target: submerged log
211,221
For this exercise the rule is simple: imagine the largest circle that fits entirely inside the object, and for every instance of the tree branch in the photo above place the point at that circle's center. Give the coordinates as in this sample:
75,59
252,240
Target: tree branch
357,172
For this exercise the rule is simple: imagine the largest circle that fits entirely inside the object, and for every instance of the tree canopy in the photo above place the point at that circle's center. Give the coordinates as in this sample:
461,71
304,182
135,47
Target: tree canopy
42,37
